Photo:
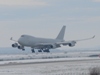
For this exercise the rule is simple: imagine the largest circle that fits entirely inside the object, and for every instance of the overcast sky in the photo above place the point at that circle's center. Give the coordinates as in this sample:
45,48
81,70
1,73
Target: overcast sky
45,18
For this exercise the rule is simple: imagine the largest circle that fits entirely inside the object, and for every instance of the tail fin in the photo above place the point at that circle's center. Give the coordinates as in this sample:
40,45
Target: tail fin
61,34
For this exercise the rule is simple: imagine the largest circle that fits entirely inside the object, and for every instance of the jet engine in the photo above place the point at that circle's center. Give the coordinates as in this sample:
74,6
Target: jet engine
15,45
72,44
53,46
20,47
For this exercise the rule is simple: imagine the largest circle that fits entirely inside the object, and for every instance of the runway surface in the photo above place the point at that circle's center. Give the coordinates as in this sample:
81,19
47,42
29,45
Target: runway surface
62,66
43,61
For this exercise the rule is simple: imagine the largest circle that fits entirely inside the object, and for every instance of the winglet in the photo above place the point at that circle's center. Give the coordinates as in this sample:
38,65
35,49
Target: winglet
86,38
93,36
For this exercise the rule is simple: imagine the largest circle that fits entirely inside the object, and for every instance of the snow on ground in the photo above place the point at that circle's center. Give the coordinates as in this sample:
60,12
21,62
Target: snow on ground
80,67
46,55
38,61
77,63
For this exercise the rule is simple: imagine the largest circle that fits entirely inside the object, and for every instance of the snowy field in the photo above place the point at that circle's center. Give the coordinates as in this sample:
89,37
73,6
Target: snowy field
62,66
71,63
8,57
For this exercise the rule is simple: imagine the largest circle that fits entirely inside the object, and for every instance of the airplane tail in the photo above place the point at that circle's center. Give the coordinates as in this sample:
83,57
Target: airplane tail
61,34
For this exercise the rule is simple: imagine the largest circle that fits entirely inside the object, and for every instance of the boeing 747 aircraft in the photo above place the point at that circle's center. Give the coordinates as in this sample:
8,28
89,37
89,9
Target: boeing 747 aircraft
44,44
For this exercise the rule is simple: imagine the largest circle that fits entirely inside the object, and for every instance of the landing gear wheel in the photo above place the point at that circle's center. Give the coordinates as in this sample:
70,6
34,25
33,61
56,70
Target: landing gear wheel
47,50
39,50
33,51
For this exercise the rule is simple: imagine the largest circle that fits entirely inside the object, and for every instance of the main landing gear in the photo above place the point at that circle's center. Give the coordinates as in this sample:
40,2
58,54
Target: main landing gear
41,50
46,50
33,51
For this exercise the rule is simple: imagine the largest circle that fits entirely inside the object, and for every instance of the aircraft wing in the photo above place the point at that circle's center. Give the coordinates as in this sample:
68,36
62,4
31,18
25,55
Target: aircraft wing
47,45
73,42
42,44
85,39
13,39
57,44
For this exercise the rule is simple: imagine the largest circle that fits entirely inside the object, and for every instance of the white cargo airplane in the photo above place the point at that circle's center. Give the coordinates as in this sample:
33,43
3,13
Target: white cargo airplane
44,44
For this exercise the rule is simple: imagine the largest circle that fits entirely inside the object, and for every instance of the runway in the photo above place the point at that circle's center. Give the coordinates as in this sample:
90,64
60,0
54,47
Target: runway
43,61
62,66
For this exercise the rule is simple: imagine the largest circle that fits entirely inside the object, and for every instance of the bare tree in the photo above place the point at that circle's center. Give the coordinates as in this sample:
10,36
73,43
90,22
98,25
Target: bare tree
95,71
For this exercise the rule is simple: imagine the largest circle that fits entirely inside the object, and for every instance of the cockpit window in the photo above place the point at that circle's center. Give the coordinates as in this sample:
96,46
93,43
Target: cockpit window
22,36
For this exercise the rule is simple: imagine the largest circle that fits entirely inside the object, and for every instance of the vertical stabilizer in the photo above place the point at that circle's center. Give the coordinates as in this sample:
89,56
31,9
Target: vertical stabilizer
61,34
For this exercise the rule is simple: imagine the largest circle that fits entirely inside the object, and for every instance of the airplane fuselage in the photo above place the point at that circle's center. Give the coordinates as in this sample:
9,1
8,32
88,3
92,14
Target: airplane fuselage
30,41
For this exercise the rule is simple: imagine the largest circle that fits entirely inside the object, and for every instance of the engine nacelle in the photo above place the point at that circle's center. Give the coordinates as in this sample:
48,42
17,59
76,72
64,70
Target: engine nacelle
20,47
15,45
53,46
72,44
